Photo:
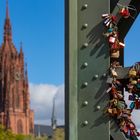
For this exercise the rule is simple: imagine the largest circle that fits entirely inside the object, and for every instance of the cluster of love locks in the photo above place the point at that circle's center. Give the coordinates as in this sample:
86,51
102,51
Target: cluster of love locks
117,107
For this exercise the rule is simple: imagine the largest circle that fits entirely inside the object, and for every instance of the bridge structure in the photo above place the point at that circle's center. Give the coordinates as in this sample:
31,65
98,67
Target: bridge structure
87,61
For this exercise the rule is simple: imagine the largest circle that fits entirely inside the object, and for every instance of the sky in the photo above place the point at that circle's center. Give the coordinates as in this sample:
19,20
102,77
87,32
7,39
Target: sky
39,25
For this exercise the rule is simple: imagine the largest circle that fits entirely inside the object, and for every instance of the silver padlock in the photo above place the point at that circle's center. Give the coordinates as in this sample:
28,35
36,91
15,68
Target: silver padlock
109,80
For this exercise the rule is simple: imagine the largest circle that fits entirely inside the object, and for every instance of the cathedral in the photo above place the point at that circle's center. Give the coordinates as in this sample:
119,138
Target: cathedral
15,112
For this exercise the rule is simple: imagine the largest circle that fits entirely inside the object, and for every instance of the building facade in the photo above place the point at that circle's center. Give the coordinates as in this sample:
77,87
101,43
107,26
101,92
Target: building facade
15,112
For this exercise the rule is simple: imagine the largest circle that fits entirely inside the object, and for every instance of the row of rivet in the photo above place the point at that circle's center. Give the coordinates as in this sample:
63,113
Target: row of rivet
85,84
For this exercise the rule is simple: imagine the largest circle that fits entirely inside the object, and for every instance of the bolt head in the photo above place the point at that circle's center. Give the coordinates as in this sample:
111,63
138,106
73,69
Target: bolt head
85,103
85,25
85,122
85,84
96,76
85,6
104,75
85,45
98,107
85,64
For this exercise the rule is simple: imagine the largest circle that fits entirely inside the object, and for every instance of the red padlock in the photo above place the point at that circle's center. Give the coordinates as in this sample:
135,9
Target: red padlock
137,104
132,126
125,12
115,45
112,39
138,134
132,133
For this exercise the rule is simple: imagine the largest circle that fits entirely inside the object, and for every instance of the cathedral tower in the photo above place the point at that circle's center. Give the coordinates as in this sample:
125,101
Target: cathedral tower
15,112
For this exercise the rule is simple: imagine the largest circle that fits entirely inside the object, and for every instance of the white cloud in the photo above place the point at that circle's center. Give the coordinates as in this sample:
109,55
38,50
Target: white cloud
41,102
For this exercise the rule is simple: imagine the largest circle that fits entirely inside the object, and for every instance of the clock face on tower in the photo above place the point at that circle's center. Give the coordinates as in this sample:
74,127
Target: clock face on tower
17,76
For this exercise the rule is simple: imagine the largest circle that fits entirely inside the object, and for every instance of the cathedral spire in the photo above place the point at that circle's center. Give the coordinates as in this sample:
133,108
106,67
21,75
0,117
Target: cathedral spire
21,50
7,10
53,119
26,73
7,26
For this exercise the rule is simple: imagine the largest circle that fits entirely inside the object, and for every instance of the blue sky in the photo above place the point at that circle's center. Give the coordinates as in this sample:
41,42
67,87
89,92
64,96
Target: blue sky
132,49
39,24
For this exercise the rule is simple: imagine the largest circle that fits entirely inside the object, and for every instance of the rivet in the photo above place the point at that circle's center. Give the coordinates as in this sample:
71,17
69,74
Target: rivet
98,107
85,6
96,76
85,123
104,75
85,25
85,64
85,45
85,103
85,84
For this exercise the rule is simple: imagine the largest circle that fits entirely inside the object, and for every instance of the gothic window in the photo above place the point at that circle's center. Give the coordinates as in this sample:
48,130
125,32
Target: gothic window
19,127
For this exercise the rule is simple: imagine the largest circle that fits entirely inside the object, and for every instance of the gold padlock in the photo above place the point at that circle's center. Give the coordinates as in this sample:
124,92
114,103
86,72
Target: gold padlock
114,73
132,72
133,82
122,123
115,54
109,110
114,111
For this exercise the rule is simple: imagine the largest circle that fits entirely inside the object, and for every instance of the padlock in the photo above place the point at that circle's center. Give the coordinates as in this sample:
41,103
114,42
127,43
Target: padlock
121,105
132,133
132,105
120,95
121,45
130,86
137,104
128,133
138,134
135,132
127,111
125,12
105,15
115,54
117,84
137,67
132,72
125,129
113,102
107,34
131,97
115,64
122,123
114,73
133,82
109,110
132,126
114,111
112,39
115,45
109,80
108,23
110,30
138,84
114,18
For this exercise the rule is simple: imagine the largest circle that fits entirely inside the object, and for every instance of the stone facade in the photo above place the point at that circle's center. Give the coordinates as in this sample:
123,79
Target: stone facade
15,112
